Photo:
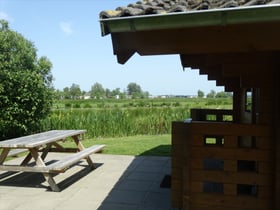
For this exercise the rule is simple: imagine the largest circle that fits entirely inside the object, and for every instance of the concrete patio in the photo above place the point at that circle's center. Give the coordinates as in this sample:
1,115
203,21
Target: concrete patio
118,182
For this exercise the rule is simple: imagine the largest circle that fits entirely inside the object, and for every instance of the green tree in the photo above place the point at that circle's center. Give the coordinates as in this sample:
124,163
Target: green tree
75,91
134,90
97,91
200,94
26,90
66,93
222,95
212,94
58,94
108,93
117,93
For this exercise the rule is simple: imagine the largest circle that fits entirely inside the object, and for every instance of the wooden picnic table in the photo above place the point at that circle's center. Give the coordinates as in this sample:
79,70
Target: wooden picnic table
37,147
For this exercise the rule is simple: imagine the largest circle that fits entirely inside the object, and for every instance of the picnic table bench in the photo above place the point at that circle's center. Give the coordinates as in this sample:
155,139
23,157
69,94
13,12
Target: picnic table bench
37,146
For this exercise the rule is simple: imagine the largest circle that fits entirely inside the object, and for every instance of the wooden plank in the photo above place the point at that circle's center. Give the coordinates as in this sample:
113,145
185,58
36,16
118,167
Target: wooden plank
199,140
204,39
62,165
206,207
43,168
265,167
216,128
228,177
177,150
39,139
177,173
264,142
64,150
262,59
231,189
196,187
16,152
231,141
265,192
231,153
7,167
177,199
227,201
230,165
228,129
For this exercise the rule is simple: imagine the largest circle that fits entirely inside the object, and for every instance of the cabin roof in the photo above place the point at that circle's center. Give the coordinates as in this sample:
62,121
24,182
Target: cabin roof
170,14
150,7
210,35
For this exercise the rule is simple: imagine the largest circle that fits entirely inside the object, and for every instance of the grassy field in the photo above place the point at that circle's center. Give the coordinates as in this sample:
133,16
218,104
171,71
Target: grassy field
128,127
156,145
118,118
147,103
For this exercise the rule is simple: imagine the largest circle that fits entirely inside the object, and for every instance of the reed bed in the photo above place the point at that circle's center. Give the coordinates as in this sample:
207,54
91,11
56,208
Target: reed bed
115,122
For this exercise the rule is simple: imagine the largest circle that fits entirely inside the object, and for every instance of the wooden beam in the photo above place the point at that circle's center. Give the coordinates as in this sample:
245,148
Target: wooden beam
213,39
234,70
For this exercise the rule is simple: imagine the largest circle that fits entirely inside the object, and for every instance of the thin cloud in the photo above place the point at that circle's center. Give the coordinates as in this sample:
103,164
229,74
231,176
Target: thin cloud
66,27
5,16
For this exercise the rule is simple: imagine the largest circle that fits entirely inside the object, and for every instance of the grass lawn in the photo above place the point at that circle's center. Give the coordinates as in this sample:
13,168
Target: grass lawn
157,145
153,145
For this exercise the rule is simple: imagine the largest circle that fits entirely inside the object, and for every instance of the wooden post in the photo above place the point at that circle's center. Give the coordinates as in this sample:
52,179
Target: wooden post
276,142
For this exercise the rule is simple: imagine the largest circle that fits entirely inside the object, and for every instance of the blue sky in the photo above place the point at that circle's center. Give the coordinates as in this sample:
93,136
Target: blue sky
68,33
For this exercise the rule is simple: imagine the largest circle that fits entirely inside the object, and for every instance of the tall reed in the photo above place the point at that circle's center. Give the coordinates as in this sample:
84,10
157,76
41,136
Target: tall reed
116,122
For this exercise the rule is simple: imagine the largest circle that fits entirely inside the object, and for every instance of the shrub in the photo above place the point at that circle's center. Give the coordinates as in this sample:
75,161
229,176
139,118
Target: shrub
68,105
25,85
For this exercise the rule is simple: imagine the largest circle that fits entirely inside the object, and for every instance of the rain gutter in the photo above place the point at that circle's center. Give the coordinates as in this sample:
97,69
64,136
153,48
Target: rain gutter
200,18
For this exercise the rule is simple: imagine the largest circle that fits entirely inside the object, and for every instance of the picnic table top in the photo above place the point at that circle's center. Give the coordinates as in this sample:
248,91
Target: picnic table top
39,139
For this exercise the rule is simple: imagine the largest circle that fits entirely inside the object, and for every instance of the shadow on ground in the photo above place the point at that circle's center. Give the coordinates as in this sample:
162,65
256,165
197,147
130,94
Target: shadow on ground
145,184
37,180
163,150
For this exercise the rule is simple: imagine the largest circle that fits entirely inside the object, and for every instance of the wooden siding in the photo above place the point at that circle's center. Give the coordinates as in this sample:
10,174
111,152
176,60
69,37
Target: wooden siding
190,175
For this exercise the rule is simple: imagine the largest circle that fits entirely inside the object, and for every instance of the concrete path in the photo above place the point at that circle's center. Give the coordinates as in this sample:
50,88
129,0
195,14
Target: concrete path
119,182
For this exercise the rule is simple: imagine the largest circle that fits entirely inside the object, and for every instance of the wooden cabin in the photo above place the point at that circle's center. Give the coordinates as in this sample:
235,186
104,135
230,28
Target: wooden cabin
222,159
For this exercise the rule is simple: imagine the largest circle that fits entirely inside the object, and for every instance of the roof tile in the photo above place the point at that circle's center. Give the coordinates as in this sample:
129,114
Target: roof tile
147,7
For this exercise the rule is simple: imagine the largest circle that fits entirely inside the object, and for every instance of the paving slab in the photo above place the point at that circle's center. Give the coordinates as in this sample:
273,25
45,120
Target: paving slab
118,182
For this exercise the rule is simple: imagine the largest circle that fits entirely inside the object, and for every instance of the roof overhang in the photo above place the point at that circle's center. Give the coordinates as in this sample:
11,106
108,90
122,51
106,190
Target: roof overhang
242,29
200,18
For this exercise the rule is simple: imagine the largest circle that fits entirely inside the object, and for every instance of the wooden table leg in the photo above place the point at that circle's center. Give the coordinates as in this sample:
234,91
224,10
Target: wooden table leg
81,147
4,155
46,151
48,177
50,180
27,159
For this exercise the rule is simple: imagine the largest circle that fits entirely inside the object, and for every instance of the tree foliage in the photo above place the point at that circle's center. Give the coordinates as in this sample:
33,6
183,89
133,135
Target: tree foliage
75,91
200,94
212,94
134,90
25,84
97,91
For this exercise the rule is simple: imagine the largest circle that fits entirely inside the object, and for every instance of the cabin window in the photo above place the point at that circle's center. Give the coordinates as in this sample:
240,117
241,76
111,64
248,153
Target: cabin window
213,164
247,165
248,100
211,117
247,141
214,140
246,189
213,187
227,118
